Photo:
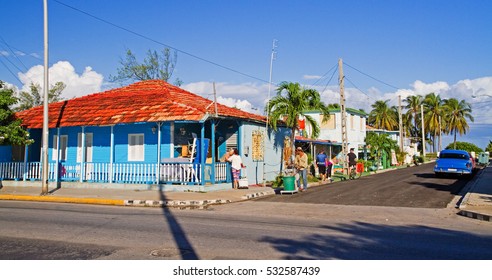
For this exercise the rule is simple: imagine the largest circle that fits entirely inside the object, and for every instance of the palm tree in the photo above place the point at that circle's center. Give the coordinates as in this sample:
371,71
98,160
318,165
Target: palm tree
413,111
457,112
293,101
383,116
433,110
380,143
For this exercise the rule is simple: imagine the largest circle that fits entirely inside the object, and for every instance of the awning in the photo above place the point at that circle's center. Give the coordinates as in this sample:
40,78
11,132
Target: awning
317,141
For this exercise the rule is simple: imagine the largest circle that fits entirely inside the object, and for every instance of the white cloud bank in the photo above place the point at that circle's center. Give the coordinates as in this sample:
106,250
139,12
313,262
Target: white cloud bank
77,85
252,97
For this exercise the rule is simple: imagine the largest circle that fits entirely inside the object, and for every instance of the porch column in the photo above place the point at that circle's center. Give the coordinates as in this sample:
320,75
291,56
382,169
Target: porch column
213,150
26,155
240,144
203,156
57,174
111,155
82,156
158,177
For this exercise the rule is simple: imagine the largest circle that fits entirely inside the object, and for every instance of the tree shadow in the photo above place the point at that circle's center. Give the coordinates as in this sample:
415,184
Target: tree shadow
184,245
366,241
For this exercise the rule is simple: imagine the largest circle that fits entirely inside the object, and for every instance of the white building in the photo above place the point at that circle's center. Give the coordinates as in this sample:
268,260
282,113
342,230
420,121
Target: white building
332,129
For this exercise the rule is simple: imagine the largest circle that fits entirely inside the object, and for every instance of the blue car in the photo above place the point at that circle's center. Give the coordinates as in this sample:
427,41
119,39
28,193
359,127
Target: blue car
454,162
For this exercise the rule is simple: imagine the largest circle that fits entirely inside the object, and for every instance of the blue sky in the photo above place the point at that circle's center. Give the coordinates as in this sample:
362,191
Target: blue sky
414,47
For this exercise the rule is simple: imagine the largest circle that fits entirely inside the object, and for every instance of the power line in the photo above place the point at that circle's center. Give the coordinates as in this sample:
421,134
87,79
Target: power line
332,74
320,78
160,43
8,46
358,88
11,71
376,79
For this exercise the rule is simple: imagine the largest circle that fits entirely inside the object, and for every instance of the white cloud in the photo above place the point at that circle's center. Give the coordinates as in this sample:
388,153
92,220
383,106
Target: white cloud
249,97
311,77
246,96
77,85
4,53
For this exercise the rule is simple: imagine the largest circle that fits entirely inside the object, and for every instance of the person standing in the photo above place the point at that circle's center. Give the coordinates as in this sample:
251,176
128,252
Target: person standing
351,159
321,163
329,166
236,165
301,164
226,156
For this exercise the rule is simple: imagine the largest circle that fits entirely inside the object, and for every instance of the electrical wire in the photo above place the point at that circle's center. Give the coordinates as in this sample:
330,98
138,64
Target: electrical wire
15,76
325,75
160,43
376,79
8,46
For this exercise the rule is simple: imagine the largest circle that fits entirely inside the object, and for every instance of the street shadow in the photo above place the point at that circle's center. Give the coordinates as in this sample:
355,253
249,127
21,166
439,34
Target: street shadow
184,245
366,241
453,188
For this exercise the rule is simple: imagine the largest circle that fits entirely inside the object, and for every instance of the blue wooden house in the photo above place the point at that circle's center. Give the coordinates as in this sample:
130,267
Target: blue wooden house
148,133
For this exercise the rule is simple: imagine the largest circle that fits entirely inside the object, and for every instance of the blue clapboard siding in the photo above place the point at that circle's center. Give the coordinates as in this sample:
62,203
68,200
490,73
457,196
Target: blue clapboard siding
5,153
101,146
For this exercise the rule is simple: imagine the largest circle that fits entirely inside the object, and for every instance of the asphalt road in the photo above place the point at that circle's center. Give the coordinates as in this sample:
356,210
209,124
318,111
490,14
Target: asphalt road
246,230
415,186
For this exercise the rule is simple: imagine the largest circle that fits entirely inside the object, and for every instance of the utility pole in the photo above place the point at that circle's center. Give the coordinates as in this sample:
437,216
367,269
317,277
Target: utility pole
344,114
423,130
272,58
44,187
440,134
400,123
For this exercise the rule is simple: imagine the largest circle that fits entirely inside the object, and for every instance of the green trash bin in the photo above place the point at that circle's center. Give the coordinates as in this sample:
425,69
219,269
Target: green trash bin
289,183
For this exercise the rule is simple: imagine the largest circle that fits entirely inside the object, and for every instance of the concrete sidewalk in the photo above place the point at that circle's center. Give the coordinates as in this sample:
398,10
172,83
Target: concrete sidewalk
125,197
477,202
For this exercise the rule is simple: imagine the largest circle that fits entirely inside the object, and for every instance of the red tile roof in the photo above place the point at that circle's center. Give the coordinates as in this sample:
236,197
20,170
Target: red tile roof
146,101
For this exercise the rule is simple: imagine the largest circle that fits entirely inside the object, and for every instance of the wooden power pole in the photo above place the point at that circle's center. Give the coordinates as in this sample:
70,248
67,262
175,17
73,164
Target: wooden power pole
344,115
400,123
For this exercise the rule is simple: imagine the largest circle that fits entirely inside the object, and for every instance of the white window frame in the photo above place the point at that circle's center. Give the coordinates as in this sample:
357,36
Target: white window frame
136,147
89,137
62,152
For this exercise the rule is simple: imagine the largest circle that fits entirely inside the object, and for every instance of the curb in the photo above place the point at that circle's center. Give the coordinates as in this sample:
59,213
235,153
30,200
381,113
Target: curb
473,215
132,202
99,201
463,203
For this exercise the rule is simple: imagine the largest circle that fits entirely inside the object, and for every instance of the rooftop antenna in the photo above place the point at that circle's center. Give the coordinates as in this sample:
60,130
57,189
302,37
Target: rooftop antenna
272,58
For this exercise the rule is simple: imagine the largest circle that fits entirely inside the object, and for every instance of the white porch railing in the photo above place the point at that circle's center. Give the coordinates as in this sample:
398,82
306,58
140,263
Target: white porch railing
131,173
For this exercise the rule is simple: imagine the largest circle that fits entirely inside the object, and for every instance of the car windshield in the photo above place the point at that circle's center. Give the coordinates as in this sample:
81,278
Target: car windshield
453,155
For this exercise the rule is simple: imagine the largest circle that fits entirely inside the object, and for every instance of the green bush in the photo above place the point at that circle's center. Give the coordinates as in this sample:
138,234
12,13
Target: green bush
469,147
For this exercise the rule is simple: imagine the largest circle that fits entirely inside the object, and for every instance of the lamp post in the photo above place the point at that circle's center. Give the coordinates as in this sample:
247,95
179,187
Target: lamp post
44,188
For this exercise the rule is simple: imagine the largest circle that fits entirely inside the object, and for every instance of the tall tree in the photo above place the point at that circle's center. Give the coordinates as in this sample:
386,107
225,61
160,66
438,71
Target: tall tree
433,111
382,116
413,103
11,132
156,65
457,113
293,101
34,98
